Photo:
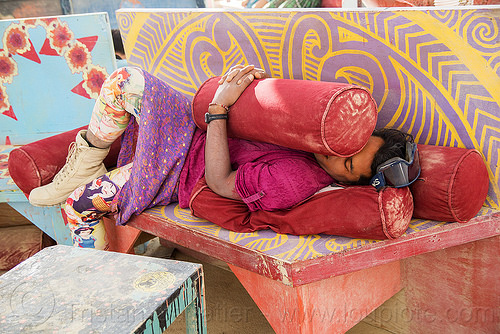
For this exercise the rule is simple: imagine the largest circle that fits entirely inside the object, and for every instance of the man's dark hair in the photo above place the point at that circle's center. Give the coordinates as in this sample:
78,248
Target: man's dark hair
394,146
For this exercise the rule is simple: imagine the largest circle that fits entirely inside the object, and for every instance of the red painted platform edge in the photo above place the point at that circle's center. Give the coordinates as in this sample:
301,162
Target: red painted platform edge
482,227
295,273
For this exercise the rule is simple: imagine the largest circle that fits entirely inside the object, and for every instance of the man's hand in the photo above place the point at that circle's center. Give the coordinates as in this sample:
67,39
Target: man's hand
234,82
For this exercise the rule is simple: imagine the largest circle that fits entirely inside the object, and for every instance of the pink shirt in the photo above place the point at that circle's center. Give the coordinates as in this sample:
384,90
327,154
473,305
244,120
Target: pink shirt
268,177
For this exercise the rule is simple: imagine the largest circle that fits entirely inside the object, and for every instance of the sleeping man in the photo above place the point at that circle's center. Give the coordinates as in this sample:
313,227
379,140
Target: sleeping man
162,160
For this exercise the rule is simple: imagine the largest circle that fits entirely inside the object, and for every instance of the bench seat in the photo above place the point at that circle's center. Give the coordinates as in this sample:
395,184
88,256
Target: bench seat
288,275
406,59
297,260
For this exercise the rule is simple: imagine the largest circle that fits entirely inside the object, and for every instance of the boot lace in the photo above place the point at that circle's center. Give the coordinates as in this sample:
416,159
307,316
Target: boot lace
69,166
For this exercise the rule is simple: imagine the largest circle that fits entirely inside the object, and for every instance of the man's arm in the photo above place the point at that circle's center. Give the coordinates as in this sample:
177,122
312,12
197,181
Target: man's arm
219,175
218,172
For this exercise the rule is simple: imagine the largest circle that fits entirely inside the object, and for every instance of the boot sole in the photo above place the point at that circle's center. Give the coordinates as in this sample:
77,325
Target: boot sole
49,203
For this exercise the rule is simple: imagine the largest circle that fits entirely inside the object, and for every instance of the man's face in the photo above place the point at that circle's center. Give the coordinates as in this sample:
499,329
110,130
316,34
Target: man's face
350,169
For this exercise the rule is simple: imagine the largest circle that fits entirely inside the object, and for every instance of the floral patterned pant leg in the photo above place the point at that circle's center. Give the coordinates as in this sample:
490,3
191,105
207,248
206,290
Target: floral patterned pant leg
120,97
86,206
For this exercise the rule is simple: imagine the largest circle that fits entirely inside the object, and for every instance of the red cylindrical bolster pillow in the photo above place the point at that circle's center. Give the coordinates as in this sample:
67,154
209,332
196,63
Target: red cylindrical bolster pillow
35,164
452,186
356,212
316,116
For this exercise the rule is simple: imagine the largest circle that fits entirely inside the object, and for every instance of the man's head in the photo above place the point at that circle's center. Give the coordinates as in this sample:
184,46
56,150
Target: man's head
383,145
394,146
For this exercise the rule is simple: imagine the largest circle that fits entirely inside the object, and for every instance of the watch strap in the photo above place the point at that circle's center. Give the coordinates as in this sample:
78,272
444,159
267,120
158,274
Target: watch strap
212,117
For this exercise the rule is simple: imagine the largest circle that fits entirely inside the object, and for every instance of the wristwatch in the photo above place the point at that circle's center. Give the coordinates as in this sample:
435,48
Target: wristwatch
212,117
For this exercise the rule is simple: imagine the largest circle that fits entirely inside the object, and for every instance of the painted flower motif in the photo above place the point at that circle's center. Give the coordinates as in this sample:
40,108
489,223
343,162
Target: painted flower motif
4,99
60,36
93,80
46,21
78,57
8,68
16,39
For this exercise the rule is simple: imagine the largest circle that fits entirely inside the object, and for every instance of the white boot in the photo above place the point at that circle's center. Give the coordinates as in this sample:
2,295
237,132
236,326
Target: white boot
83,164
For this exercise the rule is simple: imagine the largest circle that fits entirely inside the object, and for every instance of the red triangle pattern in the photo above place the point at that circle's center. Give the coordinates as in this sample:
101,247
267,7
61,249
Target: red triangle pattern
89,42
7,141
78,89
31,54
10,113
47,49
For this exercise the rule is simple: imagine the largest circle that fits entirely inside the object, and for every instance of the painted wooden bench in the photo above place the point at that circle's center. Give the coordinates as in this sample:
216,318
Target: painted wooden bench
433,72
52,70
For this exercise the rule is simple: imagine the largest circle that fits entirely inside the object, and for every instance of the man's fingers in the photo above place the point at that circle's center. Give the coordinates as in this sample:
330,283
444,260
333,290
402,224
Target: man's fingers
256,73
239,73
249,77
260,73
244,72
234,71
236,67
229,75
